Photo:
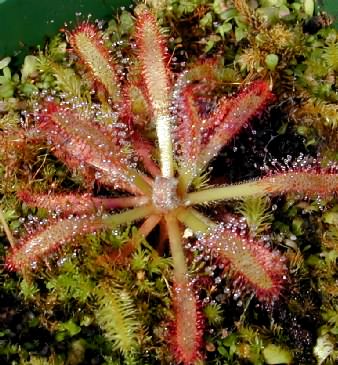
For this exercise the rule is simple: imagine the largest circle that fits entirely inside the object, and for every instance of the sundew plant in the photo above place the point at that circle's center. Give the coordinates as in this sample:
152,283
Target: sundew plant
136,135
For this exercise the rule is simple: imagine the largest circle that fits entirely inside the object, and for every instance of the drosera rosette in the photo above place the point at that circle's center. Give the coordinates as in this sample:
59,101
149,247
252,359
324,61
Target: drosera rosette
152,180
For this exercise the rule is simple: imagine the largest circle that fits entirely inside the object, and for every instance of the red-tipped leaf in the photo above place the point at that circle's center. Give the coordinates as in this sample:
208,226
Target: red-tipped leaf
231,116
88,44
251,264
37,246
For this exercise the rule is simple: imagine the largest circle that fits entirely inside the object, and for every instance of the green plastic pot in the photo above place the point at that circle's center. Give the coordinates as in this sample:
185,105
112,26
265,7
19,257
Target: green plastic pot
26,23
331,7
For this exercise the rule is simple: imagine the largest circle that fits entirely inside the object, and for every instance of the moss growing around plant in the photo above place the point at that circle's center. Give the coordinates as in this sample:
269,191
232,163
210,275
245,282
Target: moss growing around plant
169,189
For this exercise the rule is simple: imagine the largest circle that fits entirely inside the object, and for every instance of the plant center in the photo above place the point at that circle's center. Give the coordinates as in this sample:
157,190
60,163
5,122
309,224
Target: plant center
164,195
